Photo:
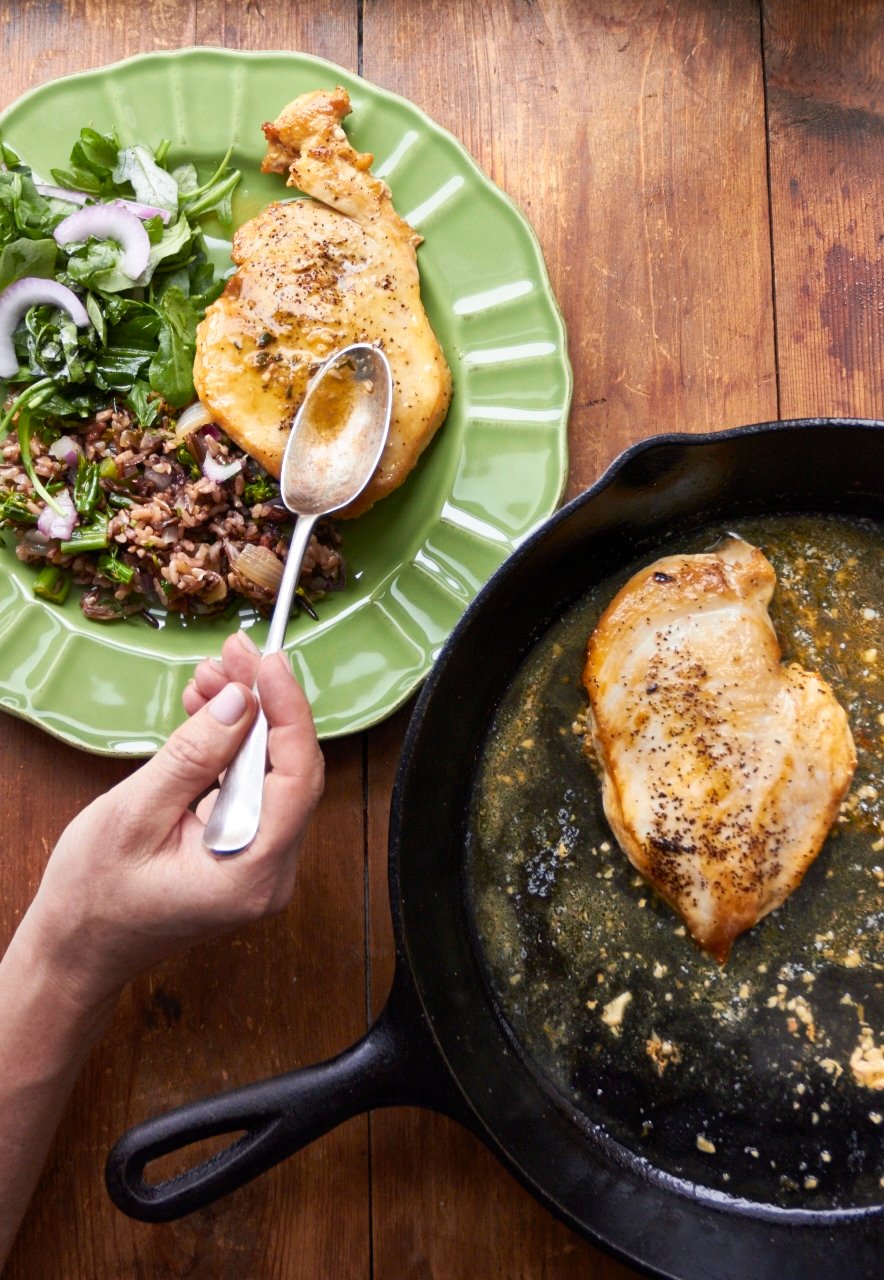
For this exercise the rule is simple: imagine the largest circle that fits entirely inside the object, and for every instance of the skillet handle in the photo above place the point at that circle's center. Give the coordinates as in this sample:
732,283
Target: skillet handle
396,1063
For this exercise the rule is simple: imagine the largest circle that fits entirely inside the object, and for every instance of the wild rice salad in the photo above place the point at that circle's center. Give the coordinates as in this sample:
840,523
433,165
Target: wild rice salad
169,518
104,277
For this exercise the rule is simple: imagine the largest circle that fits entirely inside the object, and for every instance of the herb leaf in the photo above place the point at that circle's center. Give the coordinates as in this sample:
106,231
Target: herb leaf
139,401
26,257
151,184
171,369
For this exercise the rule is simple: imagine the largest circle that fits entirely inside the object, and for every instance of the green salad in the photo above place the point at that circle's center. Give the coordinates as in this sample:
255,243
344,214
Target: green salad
119,230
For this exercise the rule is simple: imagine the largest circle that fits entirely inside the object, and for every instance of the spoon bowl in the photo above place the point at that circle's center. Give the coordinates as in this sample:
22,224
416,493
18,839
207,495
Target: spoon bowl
333,450
339,432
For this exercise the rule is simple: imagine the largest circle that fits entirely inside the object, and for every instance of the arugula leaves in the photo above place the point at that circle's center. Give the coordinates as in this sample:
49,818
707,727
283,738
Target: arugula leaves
152,184
171,369
93,160
140,343
25,257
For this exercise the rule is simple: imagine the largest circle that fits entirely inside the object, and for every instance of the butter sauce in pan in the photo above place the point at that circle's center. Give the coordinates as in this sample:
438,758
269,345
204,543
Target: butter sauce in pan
763,1078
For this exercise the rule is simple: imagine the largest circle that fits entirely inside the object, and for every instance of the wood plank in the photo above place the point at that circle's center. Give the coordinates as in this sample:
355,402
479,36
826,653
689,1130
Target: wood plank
39,47
824,66
241,1008
633,138
327,30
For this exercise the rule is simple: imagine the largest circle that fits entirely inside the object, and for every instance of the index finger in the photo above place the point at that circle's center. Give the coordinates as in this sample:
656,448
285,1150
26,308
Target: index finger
239,661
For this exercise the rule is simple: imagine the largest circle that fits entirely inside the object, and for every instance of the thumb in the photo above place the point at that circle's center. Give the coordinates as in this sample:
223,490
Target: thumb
193,757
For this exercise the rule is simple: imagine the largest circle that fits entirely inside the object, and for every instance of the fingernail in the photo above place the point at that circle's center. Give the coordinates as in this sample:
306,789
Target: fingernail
247,641
227,706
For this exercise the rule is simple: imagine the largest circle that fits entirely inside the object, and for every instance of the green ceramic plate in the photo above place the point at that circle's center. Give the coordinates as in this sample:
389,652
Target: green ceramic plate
496,469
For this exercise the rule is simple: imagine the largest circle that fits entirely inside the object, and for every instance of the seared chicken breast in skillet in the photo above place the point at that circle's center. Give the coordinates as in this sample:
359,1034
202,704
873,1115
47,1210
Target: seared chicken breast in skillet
723,768
315,275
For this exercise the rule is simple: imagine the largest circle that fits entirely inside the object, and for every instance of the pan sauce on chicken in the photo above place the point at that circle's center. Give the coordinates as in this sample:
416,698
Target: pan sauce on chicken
315,275
722,768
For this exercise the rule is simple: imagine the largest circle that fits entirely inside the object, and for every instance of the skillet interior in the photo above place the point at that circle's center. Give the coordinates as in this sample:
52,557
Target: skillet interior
579,1169
736,1077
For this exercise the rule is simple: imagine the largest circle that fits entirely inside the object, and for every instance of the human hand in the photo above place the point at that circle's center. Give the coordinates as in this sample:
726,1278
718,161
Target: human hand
130,881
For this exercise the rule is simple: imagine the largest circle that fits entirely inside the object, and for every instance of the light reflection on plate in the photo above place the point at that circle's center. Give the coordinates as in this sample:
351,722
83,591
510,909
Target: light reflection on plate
495,471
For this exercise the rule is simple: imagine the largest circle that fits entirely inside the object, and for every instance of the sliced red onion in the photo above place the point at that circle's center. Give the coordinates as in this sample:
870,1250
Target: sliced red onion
144,211
65,449
219,471
18,298
141,211
61,193
53,525
108,222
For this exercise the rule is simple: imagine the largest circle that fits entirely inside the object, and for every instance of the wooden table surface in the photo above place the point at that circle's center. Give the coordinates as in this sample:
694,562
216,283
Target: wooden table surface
705,178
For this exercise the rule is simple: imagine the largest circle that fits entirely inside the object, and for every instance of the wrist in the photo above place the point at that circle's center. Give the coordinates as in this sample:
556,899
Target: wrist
48,1034
62,969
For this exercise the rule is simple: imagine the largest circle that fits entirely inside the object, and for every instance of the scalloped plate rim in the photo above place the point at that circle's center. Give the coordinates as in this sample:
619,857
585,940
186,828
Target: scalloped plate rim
386,706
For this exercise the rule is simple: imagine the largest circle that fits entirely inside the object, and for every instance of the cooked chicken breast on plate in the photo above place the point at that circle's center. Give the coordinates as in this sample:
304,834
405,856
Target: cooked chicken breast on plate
723,769
315,274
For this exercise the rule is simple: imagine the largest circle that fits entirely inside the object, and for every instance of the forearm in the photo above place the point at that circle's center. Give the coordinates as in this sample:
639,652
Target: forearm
130,882
45,1037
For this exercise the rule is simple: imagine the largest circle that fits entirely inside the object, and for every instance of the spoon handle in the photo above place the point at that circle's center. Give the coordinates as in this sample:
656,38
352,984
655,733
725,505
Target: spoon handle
234,820
290,575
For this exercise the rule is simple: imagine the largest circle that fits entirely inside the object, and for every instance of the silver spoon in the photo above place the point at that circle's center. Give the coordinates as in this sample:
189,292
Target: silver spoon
334,447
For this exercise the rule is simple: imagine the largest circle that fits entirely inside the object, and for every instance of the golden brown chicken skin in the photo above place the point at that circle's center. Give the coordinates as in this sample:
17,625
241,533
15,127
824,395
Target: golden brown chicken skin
723,769
313,276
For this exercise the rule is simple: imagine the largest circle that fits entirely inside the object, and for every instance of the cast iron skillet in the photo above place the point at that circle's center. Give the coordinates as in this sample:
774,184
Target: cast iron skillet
440,1042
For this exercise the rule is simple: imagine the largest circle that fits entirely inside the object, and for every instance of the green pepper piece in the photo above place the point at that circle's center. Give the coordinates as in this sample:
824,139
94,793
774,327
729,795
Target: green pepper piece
87,486
52,583
114,568
14,509
88,537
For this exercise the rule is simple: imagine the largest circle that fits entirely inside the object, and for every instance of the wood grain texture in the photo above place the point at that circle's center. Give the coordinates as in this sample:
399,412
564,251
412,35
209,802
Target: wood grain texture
327,30
826,165
634,136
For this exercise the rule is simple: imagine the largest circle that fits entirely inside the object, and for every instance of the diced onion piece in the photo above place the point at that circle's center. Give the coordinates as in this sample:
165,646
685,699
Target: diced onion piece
144,211
194,417
65,449
220,471
61,193
53,525
36,540
260,566
19,297
108,222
